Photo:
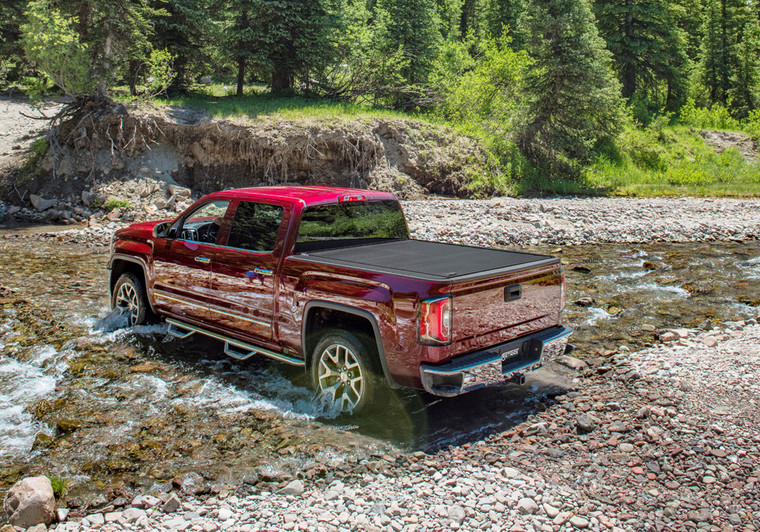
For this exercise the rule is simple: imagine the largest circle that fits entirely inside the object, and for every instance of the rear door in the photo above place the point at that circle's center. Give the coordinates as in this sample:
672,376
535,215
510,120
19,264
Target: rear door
244,269
182,265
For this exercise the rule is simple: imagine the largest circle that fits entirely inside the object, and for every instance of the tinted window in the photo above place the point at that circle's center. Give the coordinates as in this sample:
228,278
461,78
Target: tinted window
255,226
324,226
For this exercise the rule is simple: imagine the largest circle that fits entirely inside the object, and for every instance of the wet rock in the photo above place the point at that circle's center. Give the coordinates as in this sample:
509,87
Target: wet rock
572,362
42,204
30,502
191,483
648,328
584,302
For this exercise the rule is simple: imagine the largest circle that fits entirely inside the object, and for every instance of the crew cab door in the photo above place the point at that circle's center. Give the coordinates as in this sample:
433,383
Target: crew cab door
182,264
244,270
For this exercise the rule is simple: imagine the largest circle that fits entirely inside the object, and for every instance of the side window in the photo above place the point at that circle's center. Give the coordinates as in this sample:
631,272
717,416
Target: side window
255,226
202,225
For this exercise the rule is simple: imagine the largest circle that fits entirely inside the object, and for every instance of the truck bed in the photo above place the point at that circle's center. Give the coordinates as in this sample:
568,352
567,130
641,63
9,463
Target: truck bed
427,261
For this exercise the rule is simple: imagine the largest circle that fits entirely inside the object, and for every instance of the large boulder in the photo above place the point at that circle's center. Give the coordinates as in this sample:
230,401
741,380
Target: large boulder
30,502
42,204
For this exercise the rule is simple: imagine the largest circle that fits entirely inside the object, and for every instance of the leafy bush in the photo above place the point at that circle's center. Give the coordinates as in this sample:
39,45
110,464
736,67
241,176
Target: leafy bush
51,44
113,203
715,117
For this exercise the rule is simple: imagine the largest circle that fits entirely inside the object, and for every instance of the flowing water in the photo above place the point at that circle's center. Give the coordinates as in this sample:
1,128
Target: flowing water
105,407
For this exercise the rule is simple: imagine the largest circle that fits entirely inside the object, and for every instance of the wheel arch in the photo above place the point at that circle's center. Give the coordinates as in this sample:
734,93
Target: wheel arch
120,264
317,313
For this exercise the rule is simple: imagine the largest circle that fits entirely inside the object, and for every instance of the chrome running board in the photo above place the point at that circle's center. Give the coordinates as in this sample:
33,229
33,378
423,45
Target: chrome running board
183,330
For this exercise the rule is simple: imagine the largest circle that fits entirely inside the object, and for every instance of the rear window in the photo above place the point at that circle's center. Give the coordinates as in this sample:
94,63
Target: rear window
255,226
350,223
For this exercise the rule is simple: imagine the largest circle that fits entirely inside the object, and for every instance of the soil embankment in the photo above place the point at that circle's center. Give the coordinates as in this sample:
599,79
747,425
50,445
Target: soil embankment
141,159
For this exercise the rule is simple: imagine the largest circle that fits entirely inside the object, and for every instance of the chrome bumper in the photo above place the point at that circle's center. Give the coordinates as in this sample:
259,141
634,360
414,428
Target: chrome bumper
500,363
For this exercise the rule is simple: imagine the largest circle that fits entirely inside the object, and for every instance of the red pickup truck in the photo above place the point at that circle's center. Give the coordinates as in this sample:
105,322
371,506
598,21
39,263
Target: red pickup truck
328,279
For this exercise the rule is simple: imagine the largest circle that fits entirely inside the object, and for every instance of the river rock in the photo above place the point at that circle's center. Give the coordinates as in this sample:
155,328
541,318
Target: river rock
42,204
293,488
572,362
30,502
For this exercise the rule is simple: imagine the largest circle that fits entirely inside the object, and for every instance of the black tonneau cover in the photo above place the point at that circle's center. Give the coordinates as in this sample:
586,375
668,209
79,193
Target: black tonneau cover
428,261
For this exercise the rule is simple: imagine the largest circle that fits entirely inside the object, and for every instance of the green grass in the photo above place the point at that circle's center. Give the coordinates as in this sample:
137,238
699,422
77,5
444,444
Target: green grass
221,101
671,161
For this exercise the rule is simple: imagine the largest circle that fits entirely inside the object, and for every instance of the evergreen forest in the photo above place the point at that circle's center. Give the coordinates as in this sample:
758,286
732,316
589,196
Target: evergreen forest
568,95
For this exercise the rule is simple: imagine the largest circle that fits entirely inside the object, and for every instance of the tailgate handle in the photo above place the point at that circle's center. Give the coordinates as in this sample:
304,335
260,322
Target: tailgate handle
513,293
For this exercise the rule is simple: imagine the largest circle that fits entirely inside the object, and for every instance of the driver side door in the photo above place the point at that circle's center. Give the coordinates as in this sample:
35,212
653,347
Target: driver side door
182,265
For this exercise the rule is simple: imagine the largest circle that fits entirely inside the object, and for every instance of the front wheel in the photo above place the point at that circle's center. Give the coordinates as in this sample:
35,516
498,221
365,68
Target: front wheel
341,371
129,299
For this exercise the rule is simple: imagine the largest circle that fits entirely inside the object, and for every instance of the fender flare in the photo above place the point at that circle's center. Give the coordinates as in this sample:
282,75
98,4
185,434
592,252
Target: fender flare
357,312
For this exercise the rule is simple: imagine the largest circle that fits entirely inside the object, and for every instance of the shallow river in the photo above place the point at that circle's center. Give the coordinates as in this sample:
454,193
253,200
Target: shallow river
105,408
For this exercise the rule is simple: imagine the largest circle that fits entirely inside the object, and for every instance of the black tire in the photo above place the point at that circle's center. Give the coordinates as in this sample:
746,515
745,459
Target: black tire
343,371
130,300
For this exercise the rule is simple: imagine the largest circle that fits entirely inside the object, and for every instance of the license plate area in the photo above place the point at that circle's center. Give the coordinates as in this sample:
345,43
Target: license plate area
528,353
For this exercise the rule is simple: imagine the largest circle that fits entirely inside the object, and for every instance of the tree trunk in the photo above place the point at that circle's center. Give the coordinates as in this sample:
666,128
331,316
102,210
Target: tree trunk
282,78
240,75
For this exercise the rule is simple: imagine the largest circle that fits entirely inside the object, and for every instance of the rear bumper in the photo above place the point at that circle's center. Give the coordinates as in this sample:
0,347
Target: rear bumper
499,363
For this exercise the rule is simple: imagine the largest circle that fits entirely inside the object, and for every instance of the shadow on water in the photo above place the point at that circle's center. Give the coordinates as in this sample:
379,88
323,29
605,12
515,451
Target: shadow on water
412,419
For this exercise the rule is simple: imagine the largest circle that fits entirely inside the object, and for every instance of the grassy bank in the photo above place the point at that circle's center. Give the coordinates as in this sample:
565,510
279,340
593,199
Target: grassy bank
658,160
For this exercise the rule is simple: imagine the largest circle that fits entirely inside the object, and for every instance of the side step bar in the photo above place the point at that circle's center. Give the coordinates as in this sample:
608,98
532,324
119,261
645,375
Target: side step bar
244,350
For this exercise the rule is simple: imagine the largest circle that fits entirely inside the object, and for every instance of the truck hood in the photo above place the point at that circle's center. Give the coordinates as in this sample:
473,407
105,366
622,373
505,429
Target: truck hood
142,230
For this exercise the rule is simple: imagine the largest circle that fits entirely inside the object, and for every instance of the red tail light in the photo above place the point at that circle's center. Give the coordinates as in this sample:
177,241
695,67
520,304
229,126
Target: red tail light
435,321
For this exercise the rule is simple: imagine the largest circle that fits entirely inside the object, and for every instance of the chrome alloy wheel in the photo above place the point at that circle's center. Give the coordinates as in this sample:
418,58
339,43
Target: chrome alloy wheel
340,377
128,303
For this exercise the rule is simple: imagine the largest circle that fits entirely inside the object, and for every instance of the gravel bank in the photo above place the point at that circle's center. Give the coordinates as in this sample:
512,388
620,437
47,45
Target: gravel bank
522,222
650,440
564,221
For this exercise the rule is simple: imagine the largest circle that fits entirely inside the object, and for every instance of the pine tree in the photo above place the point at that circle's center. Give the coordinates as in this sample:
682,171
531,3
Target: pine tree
413,27
184,30
284,38
573,100
723,32
11,48
745,85
505,14
648,48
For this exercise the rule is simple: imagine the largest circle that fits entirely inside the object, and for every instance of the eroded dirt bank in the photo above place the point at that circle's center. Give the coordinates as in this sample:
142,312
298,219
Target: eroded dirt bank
139,158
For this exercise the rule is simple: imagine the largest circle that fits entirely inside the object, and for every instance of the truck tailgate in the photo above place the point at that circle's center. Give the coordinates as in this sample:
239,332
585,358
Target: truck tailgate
494,309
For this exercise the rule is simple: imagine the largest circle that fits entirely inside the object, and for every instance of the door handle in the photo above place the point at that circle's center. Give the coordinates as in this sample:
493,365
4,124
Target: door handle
262,271
202,260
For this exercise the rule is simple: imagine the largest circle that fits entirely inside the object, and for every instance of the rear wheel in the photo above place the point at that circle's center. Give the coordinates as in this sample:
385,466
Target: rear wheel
342,371
130,300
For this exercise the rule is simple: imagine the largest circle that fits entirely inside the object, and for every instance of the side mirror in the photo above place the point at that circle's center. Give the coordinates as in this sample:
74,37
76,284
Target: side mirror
160,230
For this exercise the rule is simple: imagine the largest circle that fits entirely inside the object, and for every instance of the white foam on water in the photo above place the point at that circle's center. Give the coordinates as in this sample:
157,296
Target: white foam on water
676,290
597,314
21,385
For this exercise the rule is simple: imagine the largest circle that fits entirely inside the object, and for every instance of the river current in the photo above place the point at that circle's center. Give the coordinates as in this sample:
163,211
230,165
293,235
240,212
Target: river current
102,406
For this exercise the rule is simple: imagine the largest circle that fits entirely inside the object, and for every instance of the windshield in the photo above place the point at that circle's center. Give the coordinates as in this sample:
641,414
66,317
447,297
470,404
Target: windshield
350,223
